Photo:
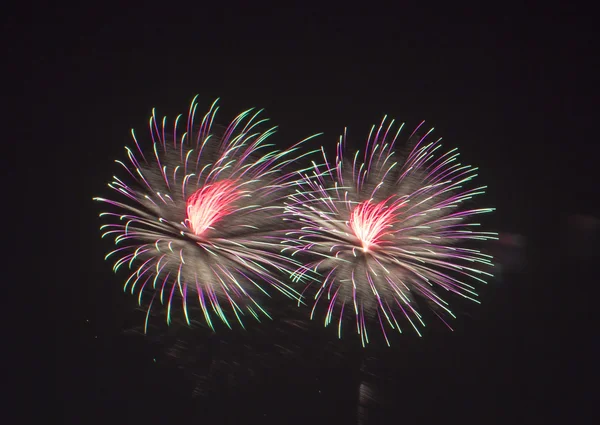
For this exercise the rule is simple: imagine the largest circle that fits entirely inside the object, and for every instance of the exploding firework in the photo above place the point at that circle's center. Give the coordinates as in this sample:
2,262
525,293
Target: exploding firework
197,219
385,231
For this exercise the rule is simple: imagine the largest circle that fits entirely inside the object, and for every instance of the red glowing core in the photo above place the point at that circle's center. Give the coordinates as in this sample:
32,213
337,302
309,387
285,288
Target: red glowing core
209,204
370,222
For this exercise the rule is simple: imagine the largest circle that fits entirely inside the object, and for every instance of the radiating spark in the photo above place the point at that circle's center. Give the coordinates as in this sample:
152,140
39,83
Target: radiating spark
387,230
196,215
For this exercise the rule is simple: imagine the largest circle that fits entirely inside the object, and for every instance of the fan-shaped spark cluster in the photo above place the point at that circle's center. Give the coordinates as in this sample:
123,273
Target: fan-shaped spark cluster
370,222
198,217
209,204
385,231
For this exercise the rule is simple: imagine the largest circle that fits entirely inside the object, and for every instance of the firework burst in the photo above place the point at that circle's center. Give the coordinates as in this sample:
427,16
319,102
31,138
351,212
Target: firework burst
386,231
196,216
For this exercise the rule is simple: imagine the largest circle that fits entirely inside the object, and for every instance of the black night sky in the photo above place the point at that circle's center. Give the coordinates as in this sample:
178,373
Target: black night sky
512,88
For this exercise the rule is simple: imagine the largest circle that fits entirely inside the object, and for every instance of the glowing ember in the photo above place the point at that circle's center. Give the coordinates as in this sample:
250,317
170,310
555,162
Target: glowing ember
370,222
209,204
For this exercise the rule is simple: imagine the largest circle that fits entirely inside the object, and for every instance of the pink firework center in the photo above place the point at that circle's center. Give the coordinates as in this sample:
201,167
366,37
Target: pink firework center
372,222
209,204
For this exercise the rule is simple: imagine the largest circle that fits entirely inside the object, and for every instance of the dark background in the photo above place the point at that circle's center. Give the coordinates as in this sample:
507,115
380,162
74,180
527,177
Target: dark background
513,88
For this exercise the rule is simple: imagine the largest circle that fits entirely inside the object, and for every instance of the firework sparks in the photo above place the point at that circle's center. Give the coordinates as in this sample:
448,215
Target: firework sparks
196,219
386,231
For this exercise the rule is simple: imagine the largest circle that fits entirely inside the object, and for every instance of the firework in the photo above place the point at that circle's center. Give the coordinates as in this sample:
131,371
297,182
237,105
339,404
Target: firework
386,231
196,219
